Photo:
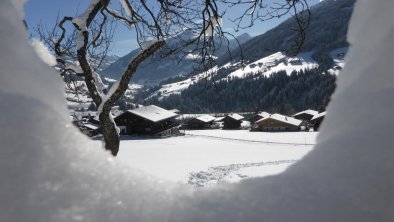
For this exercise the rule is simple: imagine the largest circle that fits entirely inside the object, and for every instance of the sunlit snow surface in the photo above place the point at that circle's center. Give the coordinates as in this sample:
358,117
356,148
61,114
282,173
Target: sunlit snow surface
50,172
176,158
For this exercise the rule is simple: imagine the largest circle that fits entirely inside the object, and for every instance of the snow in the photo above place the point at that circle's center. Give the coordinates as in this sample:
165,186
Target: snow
293,138
264,114
106,97
43,52
177,87
318,115
153,113
50,172
125,7
175,159
209,26
308,111
206,118
235,116
101,86
80,21
91,126
275,63
148,43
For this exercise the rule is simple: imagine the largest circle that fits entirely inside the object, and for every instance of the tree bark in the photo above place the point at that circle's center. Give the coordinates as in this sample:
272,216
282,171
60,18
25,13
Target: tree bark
109,131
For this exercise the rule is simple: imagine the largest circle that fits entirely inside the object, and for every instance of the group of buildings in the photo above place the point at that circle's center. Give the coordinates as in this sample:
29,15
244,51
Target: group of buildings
155,121
307,120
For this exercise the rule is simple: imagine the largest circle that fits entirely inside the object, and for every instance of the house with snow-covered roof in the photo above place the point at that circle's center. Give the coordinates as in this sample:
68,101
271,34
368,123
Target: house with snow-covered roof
306,115
277,122
317,120
200,122
232,121
258,117
147,120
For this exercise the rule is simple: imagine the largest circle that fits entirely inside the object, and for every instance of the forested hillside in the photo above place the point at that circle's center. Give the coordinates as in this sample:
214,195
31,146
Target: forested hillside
278,93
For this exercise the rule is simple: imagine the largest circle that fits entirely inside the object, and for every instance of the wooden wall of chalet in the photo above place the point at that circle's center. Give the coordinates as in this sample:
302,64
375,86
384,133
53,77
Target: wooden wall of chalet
316,123
230,123
274,125
197,124
137,125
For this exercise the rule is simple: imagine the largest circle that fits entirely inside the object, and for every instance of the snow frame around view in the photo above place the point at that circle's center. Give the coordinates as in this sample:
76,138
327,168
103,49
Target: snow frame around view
46,176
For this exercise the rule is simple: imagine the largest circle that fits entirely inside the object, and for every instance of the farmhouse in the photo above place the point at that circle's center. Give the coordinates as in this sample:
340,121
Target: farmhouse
201,122
305,115
277,122
232,121
148,120
258,116
317,120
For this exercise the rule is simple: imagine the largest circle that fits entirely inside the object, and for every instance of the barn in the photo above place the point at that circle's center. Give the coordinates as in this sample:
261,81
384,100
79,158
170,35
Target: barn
277,122
317,120
147,120
200,122
305,115
232,121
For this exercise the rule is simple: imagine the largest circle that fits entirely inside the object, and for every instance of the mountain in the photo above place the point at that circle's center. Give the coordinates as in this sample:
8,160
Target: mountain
326,32
156,69
266,56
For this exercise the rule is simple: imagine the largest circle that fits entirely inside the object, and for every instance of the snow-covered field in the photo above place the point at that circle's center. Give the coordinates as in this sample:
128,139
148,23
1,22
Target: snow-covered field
208,159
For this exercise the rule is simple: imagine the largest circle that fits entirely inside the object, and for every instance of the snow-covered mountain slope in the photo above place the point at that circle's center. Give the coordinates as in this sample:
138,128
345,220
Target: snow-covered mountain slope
177,87
265,66
275,63
156,68
326,31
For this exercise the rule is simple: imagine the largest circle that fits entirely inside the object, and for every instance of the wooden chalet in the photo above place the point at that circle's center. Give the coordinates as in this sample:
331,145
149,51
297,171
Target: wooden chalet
317,120
91,129
305,115
277,122
147,120
232,121
200,122
258,117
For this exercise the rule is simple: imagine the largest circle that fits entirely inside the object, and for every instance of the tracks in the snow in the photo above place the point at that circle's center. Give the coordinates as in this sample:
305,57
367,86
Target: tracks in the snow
215,174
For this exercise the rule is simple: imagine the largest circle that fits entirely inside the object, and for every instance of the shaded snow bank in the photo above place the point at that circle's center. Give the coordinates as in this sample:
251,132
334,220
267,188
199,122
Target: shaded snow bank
50,172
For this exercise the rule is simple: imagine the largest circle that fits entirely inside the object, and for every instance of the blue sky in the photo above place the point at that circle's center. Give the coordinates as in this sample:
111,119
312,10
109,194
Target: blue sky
46,11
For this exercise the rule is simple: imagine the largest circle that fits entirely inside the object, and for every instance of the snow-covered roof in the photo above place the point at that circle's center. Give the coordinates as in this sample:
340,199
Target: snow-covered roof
91,126
175,110
308,111
235,116
218,119
282,118
264,114
318,115
206,118
153,113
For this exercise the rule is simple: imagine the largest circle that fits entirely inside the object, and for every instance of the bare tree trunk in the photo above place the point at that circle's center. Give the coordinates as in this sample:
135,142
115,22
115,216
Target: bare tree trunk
109,131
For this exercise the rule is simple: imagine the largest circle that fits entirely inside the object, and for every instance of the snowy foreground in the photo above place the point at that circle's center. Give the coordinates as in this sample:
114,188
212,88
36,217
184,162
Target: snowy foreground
204,157
348,176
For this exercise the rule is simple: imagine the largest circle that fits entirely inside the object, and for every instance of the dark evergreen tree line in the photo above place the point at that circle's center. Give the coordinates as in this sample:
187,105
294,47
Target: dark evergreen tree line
279,92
